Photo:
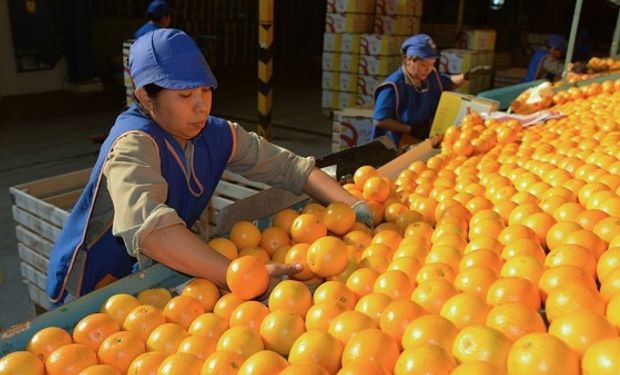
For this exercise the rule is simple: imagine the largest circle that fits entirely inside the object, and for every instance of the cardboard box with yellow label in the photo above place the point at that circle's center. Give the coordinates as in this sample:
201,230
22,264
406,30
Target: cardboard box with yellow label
481,40
380,45
397,25
346,6
454,106
348,22
399,7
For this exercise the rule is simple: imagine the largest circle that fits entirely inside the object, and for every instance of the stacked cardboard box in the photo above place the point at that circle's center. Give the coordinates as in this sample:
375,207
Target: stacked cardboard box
345,22
479,51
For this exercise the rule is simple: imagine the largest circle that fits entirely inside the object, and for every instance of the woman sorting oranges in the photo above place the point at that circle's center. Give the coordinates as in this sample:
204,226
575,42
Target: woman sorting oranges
406,101
157,170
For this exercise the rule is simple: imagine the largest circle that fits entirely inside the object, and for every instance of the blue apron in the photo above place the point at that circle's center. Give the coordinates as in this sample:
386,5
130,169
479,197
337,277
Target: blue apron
414,107
534,69
81,259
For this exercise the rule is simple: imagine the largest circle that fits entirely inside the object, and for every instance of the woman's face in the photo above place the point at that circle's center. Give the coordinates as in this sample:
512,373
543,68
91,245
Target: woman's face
420,68
182,113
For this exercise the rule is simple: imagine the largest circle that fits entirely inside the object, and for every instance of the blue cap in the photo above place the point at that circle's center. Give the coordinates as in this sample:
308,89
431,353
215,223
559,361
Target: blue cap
557,41
421,46
170,59
158,9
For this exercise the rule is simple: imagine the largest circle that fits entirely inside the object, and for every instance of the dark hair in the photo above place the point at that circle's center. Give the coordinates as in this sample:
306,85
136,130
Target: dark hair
152,89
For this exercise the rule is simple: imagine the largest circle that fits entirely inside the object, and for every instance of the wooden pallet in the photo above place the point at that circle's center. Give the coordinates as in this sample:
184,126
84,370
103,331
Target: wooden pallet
40,209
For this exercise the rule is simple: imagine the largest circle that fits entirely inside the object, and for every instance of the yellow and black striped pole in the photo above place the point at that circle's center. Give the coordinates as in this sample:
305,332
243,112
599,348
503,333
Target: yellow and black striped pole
265,66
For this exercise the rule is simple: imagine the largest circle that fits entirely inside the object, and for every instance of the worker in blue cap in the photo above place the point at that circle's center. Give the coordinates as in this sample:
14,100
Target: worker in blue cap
157,170
405,103
546,63
158,15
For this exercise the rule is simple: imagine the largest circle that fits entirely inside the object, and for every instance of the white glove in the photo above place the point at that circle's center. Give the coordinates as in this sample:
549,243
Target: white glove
362,213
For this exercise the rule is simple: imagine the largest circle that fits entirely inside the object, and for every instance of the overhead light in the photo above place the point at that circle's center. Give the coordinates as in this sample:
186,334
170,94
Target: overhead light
496,4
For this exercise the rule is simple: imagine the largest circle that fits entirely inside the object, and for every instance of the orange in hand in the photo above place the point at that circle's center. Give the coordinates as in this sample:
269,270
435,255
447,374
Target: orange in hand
247,277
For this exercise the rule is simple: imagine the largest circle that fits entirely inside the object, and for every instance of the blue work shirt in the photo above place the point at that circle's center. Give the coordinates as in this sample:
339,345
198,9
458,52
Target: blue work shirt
145,29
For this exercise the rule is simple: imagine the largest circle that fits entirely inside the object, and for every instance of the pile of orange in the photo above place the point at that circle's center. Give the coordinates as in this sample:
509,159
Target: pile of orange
501,254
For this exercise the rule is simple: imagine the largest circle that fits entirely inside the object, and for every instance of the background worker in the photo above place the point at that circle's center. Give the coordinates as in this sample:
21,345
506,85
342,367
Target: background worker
157,170
547,63
158,14
405,103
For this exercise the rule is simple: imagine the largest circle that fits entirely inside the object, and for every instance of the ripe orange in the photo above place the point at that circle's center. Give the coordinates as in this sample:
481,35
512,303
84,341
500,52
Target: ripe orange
475,280
371,345
484,243
146,363
348,323
376,189
242,340
570,297
602,357
157,297
524,266
280,329
142,320
307,228
274,238
480,257
515,320
69,359
200,346
373,305
291,295
429,330
223,362
357,238
515,232
226,304
248,314
247,277
395,284
46,340
284,219
434,271
327,256
608,262
397,315
429,359
581,328
363,173
119,305
432,294
572,255
465,309
362,281
93,329
297,254
209,325
320,315
477,368
120,349
100,370
182,310
524,246
21,363
263,362
335,292
554,277
339,218
362,367
513,289
204,291
318,347
256,252
244,234
409,265
542,353
180,364
225,247
611,285
559,231
481,343
607,228
166,338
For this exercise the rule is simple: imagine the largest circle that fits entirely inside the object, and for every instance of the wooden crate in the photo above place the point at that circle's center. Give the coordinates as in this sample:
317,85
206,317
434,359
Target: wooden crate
41,207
